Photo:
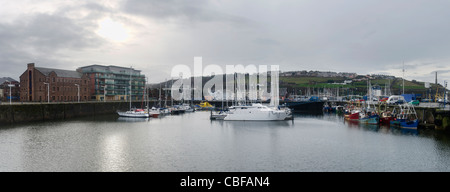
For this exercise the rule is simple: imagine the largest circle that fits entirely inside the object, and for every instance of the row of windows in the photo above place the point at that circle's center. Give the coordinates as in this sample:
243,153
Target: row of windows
66,98
66,89
58,89
60,80
61,98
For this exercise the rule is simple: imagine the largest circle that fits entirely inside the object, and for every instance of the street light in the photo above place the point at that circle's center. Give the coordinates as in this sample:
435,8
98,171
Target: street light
48,92
10,97
104,93
78,93
445,93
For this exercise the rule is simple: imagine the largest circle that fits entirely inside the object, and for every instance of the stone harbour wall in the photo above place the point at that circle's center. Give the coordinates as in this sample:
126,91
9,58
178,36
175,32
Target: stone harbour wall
17,113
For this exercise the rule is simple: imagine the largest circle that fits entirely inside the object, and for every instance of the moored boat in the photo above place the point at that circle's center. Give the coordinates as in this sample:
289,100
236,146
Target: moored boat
372,119
204,106
176,110
137,113
218,115
154,112
406,117
134,113
353,115
386,118
257,112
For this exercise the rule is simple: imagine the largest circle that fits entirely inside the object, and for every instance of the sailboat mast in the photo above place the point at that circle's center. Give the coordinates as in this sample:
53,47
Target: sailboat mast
403,92
130,85
146,94
160,95
165,94
171,95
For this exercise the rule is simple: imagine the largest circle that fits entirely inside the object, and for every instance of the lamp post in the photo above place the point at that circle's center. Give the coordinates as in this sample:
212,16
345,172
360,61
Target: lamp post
445,93
78,92
48,92
10,96
104,93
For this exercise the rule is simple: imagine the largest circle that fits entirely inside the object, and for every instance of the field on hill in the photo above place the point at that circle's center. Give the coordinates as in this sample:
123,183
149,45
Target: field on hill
296,82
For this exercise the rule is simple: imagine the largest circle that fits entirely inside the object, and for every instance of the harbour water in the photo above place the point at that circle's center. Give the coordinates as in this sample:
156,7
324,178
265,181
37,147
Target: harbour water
192,142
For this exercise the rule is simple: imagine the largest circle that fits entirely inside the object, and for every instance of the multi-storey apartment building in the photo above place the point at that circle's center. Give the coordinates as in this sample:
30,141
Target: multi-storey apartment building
53,85
113,82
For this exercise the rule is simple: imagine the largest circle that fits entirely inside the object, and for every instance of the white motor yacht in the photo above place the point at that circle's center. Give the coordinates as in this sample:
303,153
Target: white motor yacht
257,112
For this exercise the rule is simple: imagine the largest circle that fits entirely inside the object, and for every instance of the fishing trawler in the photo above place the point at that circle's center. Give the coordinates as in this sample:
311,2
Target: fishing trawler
405,117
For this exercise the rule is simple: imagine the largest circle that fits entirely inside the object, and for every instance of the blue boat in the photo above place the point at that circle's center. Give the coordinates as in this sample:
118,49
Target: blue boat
409,124
395,123
406,117
372,119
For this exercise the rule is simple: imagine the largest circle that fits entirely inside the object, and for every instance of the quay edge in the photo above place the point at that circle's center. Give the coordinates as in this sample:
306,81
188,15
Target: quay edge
18,113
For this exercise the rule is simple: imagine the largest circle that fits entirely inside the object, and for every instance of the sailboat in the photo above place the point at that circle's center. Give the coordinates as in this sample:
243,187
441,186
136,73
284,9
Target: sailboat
133,112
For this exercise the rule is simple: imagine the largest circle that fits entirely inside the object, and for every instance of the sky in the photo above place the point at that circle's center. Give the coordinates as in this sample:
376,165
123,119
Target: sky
364,37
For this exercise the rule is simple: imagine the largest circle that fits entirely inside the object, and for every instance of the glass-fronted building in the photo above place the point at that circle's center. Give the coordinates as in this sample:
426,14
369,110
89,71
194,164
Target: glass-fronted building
113,82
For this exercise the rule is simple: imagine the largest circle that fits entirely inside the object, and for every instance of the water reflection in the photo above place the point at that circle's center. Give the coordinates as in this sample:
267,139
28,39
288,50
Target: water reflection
409,131
113,152
192,142
253,124
128,119
354,124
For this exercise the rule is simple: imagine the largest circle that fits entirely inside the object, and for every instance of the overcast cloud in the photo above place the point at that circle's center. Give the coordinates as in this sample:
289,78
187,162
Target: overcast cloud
371,36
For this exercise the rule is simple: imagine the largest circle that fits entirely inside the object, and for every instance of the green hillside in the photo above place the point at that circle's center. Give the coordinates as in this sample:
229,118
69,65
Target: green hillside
356,87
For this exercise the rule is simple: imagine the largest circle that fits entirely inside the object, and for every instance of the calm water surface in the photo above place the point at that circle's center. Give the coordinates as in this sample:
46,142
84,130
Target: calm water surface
191,142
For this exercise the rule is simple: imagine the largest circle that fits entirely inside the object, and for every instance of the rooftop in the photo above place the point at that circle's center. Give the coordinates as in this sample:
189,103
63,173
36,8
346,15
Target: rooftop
4,79
109,67
59,72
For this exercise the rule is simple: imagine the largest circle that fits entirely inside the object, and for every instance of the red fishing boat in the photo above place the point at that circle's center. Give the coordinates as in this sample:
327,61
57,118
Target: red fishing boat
386,118
354,115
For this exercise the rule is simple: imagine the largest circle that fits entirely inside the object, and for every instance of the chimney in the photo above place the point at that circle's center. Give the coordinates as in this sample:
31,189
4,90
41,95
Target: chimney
30,65
436,78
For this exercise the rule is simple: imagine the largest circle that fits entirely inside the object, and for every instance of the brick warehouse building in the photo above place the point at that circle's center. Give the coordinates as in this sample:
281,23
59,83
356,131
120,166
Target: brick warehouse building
62,84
